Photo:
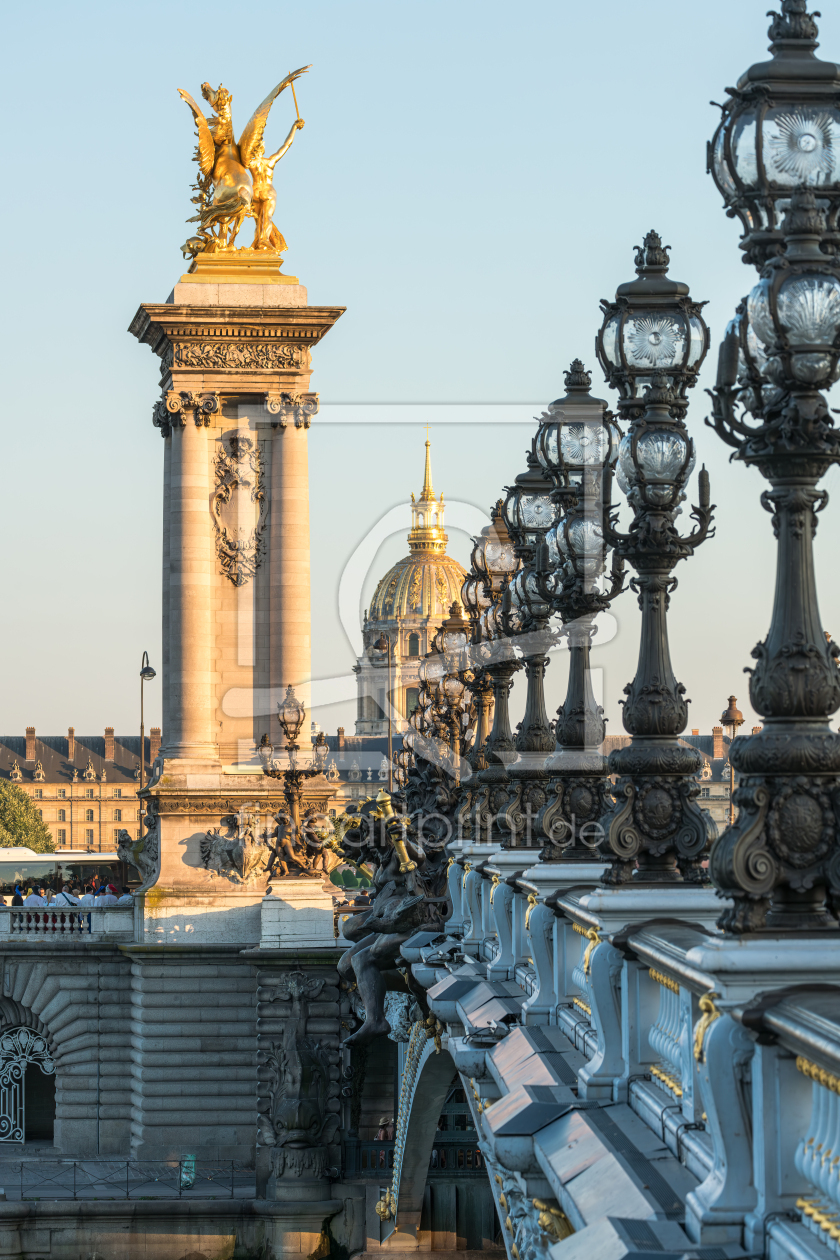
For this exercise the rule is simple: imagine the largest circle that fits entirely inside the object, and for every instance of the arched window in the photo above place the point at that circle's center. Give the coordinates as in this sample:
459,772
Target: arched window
414,645
27,1087
421,520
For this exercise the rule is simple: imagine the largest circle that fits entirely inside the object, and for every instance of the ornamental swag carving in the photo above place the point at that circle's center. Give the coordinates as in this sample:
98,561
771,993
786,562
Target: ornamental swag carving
240,354
239,481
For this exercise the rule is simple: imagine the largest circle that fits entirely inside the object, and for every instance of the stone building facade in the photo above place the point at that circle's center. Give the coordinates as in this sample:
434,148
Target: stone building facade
408,606
84,786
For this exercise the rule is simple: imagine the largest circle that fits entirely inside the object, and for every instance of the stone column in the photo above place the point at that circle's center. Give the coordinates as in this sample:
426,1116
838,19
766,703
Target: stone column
190,734
289,598
164,647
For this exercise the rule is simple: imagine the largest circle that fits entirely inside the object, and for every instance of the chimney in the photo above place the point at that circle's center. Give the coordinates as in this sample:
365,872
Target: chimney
718,753
109,743
756,729
341,738
71,743
30,743
695,730
154,742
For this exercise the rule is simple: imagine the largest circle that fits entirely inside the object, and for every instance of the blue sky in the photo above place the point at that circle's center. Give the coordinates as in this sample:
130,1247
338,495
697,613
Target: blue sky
471,181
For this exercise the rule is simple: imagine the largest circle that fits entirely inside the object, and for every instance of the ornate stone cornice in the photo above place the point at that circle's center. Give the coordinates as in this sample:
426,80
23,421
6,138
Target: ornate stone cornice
164,327
228,802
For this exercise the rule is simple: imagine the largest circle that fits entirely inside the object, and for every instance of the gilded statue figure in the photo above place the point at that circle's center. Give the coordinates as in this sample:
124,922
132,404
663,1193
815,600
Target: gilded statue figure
236,179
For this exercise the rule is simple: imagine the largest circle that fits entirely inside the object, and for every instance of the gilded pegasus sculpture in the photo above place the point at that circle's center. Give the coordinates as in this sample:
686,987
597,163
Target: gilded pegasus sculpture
236,180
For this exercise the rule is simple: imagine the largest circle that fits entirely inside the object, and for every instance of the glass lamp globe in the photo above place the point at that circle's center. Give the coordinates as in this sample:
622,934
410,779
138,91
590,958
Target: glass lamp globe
794,310
652,327
655,465
290,715
577,434
580,541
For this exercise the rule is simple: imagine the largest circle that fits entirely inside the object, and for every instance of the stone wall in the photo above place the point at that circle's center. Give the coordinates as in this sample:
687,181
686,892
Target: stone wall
79,997
193,1052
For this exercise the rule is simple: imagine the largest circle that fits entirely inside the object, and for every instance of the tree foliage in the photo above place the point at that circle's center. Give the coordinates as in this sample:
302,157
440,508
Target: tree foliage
19,821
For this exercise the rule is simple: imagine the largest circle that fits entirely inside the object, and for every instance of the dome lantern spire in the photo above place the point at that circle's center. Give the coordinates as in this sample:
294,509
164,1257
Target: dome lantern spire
428,490
427,514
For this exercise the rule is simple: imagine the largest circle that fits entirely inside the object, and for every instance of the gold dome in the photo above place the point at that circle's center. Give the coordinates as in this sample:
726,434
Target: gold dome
418,586
425,583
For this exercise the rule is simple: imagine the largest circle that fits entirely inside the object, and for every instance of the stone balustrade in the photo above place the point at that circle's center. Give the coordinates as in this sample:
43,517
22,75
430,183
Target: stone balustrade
614,1039
56,925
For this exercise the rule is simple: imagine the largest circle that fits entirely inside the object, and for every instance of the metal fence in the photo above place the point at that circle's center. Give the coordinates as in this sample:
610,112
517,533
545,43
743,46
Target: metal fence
42,1179
374,1159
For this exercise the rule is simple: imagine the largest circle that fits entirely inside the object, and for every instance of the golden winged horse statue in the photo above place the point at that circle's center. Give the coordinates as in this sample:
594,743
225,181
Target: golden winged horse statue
236,178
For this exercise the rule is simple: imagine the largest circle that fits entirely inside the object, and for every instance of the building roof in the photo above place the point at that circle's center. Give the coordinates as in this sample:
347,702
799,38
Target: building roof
54,755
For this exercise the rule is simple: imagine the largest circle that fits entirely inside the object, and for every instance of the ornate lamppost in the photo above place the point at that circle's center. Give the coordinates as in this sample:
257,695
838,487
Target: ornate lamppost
651,345
779,860
475,602
529,513
146,675
577,440
730,720
495,562
291,714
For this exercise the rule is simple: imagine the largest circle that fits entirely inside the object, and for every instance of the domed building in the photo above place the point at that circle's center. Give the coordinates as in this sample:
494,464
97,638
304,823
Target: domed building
409,604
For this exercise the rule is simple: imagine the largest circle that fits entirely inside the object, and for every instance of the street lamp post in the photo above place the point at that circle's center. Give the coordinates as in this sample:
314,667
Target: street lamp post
529,513
577,440
774,157
146,675
290,715
731,719
494,561
383,644
651,344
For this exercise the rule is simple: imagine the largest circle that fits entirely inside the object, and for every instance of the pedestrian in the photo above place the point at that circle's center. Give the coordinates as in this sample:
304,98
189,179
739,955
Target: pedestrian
126,899
65,897
107,895
87,899
17,900
35,898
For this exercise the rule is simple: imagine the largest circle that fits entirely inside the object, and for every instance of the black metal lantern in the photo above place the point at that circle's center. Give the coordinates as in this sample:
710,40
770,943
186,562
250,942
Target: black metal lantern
528,510
780,130
494,558
785,337
577,435
652,328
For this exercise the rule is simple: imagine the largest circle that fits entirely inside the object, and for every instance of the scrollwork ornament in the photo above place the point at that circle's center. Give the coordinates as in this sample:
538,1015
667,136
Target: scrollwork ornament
239,470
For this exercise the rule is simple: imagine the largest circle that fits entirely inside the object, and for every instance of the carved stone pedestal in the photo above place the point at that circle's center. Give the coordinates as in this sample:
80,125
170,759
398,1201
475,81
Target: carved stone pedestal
298,1071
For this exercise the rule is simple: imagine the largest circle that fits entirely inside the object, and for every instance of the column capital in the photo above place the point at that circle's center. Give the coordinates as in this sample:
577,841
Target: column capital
171,410
297,407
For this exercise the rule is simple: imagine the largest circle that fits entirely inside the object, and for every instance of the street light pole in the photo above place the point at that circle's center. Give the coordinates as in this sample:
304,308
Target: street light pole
383,644
146,675
731,719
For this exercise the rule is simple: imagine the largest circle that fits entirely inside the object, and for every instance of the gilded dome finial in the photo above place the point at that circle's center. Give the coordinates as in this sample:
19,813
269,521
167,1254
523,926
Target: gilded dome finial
428,489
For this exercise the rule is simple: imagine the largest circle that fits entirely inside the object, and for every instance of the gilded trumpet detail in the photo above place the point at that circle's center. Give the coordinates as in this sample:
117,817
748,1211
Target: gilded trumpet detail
235,179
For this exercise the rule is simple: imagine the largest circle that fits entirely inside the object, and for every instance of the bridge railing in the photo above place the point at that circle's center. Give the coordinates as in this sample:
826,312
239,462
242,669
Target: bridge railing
736,1075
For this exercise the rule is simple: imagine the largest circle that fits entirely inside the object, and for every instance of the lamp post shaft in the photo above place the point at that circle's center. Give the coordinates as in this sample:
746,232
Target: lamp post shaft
388,705
142,736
